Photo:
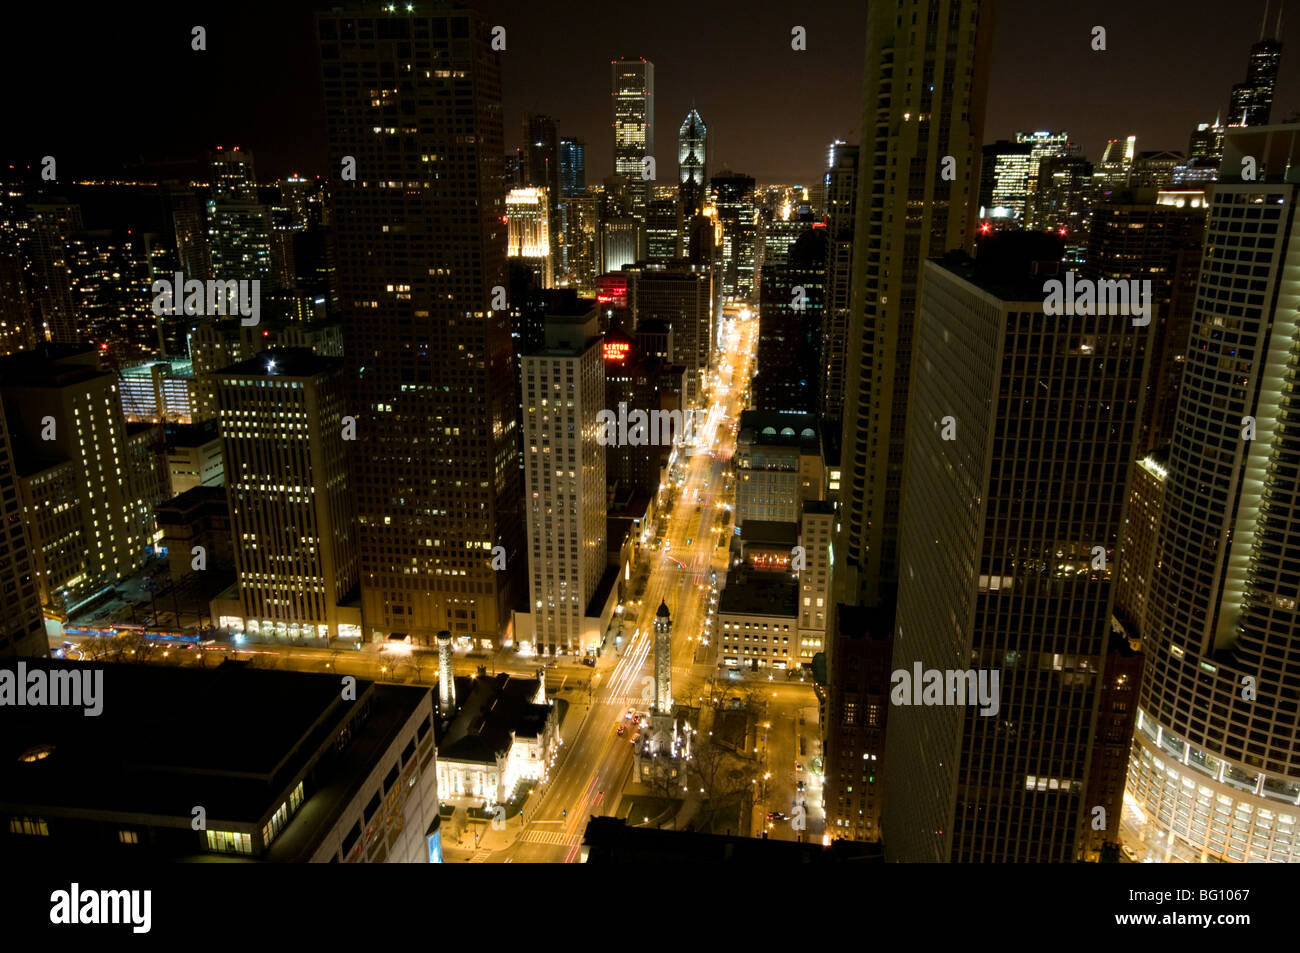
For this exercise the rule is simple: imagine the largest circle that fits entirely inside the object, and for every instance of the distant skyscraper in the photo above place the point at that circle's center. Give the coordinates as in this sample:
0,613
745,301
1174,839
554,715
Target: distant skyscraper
1017,597
436,459
841,211
733,196
1062,197
543,169
529,231
291,515
564,390
1252,101
633,84
663,229
239,227
692,162
1004,179
22,624
1215,765
790,309
573,167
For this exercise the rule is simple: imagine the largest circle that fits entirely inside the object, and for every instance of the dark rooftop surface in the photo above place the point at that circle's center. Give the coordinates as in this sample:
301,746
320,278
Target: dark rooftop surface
770,532
289,362
169,738
488,710
769,594
193,435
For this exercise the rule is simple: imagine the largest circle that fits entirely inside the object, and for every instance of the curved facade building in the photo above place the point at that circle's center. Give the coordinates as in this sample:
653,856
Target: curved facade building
1215,764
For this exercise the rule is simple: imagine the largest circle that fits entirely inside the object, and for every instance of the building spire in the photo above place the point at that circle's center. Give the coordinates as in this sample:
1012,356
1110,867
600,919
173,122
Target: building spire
1263,24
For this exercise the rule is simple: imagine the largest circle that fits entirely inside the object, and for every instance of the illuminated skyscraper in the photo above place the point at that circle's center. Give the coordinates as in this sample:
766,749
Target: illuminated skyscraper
529,231
1215,767
633,84
1252,101
573,167
564,463
291,518
437,477
733,196
239,227
841,212
1004,179
692,163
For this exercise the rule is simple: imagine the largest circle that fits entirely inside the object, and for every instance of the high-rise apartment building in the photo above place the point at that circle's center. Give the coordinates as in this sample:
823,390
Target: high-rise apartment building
22,625
1215,767
564,466
415,100
1019,445
841,212
239,226
285,439
920,109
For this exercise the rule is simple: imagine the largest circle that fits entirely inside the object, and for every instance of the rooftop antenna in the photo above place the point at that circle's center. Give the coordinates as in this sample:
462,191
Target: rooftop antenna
1277,34
1264,22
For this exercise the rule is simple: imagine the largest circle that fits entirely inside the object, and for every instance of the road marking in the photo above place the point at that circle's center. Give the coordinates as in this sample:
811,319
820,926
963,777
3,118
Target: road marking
554,838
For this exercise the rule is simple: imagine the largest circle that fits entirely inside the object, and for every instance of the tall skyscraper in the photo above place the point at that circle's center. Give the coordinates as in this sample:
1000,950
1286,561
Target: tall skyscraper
291,518
841,212
564,390
1004,179
790,308
436,457
903,218
573,167
692,163
529,232
1215,766
239,226
1251,102
1021,434
633,84
733,197
544,167
22,624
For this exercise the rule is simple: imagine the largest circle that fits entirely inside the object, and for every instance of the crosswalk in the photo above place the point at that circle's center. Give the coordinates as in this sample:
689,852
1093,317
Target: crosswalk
554,838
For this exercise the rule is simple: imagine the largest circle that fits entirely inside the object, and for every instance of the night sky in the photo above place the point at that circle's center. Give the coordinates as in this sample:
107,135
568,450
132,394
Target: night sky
108,83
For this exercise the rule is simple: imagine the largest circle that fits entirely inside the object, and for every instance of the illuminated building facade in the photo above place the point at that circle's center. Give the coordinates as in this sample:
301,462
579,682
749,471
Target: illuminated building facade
564,469
1251,102
1022,586
1215,767
285,446
733,197
437,472
692,163
778,465
529,232
1004,179
841,212
633,85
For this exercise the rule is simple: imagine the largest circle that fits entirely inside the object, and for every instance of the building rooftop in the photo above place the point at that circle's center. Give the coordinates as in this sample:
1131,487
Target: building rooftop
609,840
770,533
760,594
283,362
489,712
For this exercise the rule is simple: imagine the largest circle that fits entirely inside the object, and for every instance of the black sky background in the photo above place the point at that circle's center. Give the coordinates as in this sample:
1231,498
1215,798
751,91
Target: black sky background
99,85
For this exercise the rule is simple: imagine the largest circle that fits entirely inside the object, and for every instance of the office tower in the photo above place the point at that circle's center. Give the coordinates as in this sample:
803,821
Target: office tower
1061,201
282,431
17,323
733,197
1215,767
903,218
1205,145
192,256
437,481
73,454
22,625
1252,101
1136,562
643,381
112,273
1044,144
514,173
1153,236
692,163
529,232
633,84
51,226
543,166
780,231
841,209
1036,417
663,229
1004,179
573,167
1112,172
1154,169
681,296
620,240
1116,715
239,226
790,313
564,390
